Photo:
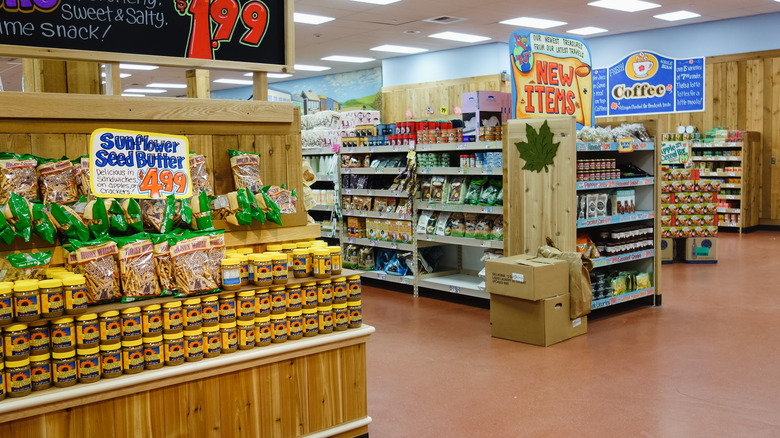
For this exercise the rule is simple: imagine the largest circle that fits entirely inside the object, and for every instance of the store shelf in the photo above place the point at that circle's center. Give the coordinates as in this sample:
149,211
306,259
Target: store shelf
324,177
460,171
383,276
372,170
320,207
375,149
630,296
464,241
704,174
615,183
317,151
729,210
722,145
617,219
730,197
449,147
715,158
327,234
462,284
375,192
460,208
377,215
622,258
612,147
380,243
730,186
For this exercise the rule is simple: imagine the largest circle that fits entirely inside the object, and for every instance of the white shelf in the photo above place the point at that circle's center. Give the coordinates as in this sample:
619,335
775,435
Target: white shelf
460,208
617,219
380,275
372,170
716,158
317,151
377,215
622,258
380,243
449,147
719,145
704,174
615,183
326,177
329,234
320,207
612,147
463,241
375,192
375,149
461,284
629,296
460,171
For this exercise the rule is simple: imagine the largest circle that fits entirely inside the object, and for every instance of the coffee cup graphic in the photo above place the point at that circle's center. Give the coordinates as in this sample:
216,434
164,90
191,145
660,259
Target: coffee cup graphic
642,68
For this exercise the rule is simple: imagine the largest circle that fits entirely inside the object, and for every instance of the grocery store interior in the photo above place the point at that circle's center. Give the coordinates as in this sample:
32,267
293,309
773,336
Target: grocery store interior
390,218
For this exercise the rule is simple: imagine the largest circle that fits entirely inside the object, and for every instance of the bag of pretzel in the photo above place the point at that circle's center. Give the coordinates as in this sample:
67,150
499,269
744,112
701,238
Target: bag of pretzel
18,175
192,265
137,267
96,260
58,182
163,265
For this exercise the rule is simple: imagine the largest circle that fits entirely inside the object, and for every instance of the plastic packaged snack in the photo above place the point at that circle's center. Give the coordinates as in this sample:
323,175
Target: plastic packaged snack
18,175
456,190
192,268
136,267
474,190
96,261
158,214
199,175
498,228
283,198
163,265
42,223
425,189
69,223
132,213
81,169
246,170
470,220
458,225
58,182
437,188
432,221
422,221
489,192
443,223
201,212
26,266
484,228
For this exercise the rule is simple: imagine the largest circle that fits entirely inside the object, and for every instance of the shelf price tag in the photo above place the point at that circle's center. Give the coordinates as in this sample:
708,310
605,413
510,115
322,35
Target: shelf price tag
381,275
625,145
455,289
134,164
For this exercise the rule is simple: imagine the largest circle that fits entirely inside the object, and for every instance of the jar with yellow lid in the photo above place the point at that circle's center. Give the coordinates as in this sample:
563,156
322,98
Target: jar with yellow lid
311,326
262,265
318,243
110,327
2,380
229,335
153,352
335,259
6,304
132,356
244,264
173,320
40,371
75,290
324,292
309,295
16,342
63,335
227,308
321,263
40,337
209,310
273,247
192,311
246,306
278,328
111,360
279,268
354,287
263,331
87,331
262,302
27,303
18,379
173,349
51,271
355,310
246,334
152,320
340,293
325,319
303,245
300,258
288,248
231,274
64,368
278,300
212,341
193,345
88,364
294,325
52,298
294,298
340,317
131,324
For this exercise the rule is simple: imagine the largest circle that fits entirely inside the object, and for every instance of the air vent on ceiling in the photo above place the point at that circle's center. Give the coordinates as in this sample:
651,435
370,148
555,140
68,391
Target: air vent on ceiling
444,19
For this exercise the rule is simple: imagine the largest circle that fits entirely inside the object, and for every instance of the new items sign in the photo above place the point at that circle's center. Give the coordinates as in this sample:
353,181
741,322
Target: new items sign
648,83
551,76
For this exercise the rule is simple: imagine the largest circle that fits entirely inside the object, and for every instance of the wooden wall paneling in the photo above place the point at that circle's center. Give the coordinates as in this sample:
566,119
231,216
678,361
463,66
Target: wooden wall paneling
203,408
353,382
93,420
285,384
169,404
83,77
223,173
742,92
48,145
32,427
133,416
751,179
58,424
732,92
324,385
19,143
76,145
198,84
53,76
239,396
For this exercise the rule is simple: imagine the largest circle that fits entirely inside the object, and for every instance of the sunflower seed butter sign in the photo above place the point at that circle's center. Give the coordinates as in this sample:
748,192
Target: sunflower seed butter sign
133,164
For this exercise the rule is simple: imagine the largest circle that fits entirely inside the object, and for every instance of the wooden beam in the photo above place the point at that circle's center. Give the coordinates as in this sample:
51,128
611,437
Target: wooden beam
198,84
82,77
260,85
113,85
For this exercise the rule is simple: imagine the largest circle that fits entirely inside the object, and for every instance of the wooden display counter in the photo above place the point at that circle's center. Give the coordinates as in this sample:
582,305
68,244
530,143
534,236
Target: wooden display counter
310,387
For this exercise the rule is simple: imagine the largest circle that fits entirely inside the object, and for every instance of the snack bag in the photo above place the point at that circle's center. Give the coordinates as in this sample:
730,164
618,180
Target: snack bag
18,213
42,222
97,261
199,175
18,175
163,265
246,170
201,213
474,190
58,182
157,214
7,232
116,218
81,170
137,267
26,266
69,223
191,264
133,216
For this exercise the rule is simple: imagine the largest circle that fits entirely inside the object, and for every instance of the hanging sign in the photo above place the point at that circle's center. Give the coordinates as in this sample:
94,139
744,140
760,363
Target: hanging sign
133,164
648,83
675,152
551,76
626,145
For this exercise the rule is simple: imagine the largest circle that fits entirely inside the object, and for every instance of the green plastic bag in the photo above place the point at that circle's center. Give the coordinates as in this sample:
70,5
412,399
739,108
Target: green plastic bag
42,223
28,266
69,223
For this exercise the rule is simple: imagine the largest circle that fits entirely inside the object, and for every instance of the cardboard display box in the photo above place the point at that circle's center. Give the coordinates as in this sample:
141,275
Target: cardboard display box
543,322
484,109
667,250
701,250
527,277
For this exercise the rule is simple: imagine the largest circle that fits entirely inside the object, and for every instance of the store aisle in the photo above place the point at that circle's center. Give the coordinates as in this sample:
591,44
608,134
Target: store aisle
703,364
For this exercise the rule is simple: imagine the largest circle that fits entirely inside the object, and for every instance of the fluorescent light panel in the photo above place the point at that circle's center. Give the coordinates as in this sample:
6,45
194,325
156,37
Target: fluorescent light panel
625,5
121,75
304,67
377,2
271,75
534,23
162,85
233,81
300,17
460,37
137,67
342,58
144,90
677,16
398,49
588,30
133,95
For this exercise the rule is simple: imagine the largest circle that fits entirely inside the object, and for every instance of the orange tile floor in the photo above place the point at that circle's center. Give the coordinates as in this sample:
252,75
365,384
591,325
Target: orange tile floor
704,364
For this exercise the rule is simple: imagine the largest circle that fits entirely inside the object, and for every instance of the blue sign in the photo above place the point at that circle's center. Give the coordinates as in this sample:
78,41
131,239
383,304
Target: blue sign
648,83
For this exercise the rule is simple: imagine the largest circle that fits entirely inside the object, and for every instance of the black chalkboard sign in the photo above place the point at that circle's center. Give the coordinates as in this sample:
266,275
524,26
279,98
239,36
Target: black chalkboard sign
242,31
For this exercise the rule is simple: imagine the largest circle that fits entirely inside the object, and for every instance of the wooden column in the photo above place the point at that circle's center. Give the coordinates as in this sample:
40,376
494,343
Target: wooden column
198,84
113,85
48,76
260,85
82,77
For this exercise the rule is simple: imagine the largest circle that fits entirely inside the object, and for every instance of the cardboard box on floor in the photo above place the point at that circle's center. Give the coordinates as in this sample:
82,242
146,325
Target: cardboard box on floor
701,250
667,250
527,277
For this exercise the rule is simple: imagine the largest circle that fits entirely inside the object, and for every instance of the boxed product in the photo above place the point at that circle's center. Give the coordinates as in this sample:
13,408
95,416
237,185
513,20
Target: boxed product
356,227
667,250
543,322
405,231
483,109
526,276
623,201
701,250
372,228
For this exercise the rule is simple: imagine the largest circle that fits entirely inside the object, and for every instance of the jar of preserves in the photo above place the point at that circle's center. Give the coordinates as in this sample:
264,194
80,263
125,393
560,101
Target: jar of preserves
40,371
246,306
243,260
262,266
6,304
355,311
193,345
325,319
132,356
63,368
262,302
310,324
229,335
278,300
173,320
309,295
294,325
321,263
18,380
279,268
340,293
111,360
152,320
318,243
110,327
354,287
27,304
294,299
324,292
193,316
40,337
63,335
131,324
231,274
75,290
278,328
88,364
300,257
340,317
303,245
227,308
212,341
246,334
173,349
273,247
335,259
153,352
263,331
16,342
52,298
209,310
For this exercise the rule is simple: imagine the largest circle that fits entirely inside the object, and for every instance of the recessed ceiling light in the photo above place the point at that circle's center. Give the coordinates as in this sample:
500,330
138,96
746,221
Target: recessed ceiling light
144,90
272,75
138,67
233,81
377,2
121,75
625,5
398,49
588,30
340,58
299,17
133,95
535,23
677,16
303,67
161,85
461,37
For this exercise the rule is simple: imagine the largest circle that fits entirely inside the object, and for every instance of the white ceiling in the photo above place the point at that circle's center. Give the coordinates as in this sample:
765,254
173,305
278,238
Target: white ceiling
359,26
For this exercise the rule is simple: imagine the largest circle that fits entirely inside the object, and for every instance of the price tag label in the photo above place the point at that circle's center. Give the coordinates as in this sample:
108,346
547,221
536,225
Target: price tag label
381,276
455,289
625,145
487,210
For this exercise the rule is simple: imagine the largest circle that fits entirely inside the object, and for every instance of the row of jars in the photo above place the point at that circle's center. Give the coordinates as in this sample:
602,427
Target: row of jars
30,300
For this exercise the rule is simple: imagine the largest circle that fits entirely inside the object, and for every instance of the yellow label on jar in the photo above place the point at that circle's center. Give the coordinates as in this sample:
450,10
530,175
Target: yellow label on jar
229,339
311,325
76,298
65,372
213,343
263,332
263,273
152,355
246,336
174,351
132,360
152,322
18,382
41,374
280,330
194,348
16,345
88,368
111,363
52,302
110,330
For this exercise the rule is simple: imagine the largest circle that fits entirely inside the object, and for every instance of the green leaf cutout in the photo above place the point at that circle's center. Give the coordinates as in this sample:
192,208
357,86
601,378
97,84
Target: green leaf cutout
539,150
